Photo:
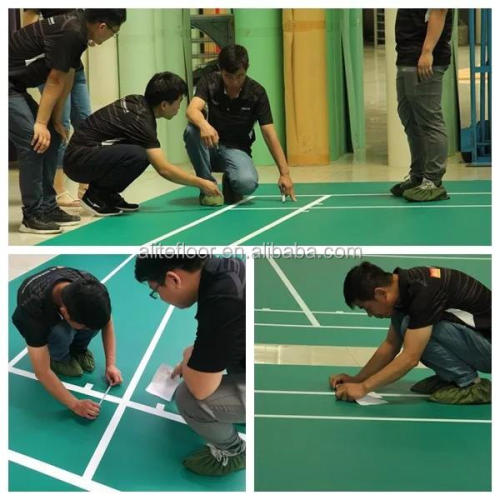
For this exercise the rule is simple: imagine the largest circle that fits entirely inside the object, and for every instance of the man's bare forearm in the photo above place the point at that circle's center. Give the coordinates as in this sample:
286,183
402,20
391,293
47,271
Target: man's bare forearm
109,343
52,91
435,26
380,359
196,117
55,387
57,113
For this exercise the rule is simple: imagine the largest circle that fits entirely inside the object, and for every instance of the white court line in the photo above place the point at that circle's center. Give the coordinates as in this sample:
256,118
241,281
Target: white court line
343,195
281,220
371,419
120,266
115,419
330,393
324,326
198,221
365,207
426,257
57,473
340,313
293,291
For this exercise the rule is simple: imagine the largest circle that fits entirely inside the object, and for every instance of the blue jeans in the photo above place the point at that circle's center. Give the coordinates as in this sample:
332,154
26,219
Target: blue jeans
76,108
455,352
419,108
236,164
63,339
36,171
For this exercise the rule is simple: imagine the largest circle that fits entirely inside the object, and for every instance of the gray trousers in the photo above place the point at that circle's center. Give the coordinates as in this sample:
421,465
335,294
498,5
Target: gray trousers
455,352
213,418
419,108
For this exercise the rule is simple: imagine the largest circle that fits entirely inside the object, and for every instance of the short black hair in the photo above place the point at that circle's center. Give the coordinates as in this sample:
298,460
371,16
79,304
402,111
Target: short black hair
155,267
113,17
232,58
87,302
361,281
165,86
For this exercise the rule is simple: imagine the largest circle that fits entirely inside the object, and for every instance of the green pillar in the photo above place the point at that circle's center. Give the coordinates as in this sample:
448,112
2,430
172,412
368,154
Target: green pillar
151,41
335,84
260,32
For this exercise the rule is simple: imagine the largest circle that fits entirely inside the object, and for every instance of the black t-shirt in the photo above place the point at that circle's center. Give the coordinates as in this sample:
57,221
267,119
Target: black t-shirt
234,118
52,43
129,120
36,313
411,30
432,294
220,338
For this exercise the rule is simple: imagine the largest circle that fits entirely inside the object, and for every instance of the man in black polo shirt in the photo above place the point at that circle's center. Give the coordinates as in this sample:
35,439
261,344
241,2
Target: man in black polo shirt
222,114
114,145
439,316
48,52
423,47
59,311
209,399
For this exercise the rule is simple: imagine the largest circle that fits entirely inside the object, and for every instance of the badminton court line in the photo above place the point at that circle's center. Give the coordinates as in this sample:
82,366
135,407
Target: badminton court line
281,220
115,419
324,326
293,291
331,393
120,266
372,419
366,207
346,195
426,257
299,311
57,473
197,221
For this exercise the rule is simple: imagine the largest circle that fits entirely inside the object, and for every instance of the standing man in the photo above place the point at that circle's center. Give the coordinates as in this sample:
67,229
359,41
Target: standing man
212,397
114,146
59,310
219,136
48,52
423,48
440,317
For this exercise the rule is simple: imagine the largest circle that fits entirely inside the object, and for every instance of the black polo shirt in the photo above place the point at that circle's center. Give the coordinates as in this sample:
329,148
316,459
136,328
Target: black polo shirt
411,30
129,120
36,313
52,43
234,119
432,294
220,338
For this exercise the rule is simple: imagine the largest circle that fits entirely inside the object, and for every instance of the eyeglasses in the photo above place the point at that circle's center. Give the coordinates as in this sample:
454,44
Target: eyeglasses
154,293
110,28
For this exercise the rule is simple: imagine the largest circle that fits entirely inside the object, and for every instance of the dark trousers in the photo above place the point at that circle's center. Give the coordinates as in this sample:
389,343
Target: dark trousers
107,169
36,171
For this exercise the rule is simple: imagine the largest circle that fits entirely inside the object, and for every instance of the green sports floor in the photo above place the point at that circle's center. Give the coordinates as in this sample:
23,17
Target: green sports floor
305,440
138,441
346,213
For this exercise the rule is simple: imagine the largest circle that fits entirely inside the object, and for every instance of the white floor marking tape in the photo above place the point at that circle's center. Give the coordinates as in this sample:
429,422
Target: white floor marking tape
298,311
340,195
280,220
330,393
57,473
371,419
325,326
115,419
197,221
293,291
362,207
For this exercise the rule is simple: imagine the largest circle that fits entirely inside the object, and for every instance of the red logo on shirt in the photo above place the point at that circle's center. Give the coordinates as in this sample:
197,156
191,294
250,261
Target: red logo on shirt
435,272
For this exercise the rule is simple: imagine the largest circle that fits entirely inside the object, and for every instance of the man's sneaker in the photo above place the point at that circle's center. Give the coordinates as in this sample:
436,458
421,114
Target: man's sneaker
230,196
426,191
85,359
474,394
69,368
38,225
61,217
210,461
97,206
429,385
211,201
117,201
408,183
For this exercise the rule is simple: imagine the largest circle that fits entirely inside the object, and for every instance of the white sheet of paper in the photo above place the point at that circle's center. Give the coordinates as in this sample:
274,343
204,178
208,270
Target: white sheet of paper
162,385
372,398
